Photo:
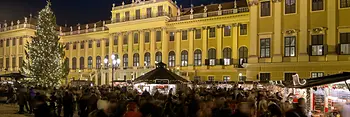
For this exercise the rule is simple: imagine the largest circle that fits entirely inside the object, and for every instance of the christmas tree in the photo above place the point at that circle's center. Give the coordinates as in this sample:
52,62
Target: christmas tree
45,55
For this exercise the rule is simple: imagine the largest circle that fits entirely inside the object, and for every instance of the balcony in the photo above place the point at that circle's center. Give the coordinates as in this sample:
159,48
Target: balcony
18,26
210,14
135,18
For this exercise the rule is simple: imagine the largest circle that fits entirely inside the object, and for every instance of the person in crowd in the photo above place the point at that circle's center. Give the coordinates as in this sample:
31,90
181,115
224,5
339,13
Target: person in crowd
108,111
299,110
68,104
22,100
42,109
132,110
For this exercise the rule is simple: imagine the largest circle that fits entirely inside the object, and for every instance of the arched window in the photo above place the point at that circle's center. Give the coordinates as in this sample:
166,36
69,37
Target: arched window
243,55
227,54
147,59
212,56
67,62
98,62
104,62
159,57
89,62
184,58
197,57
74,63
171,59
82,63
125,60
136,60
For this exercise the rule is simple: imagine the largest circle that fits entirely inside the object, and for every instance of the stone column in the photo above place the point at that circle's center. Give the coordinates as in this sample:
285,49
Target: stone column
86,54
142,48
253,31
71,54
332,30
277,35
78,56
219,42
190,48
304,34
10,55
130,49
110,53
235,47
165,43
120,49
4,54
178,48
17,54
205,44
153,47
94,46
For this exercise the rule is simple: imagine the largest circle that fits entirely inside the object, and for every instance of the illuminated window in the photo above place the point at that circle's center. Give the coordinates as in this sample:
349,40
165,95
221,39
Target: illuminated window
317,47
159,57
90,44
265,48
147,59
136,60
125,60
289,46
82,45
212,56
171,59
184,58
90,62
211,78
197,58
226,78
82,63
317,74
227,52
243,55
98,62
344,43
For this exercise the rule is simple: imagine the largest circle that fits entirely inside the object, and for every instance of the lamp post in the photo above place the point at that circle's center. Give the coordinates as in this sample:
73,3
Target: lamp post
113,64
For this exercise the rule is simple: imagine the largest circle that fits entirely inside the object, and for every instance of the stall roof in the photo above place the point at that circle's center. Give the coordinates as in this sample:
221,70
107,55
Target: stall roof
312,82
15,76
160,73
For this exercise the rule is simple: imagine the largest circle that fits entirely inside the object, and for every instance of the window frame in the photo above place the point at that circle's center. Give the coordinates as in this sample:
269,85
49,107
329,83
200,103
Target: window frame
243,54
82,46
158,56
107,42
184,58
82,63
98,43
125,39
158,36
147,59
198,36
316,74
127,16
13,62
171,36
137,14
115,40
317,45
227,31
149,12
171,59
212,56
212,32
343,4
290,46
243,29
98,62
184,35
125,60
136,38
74,63
266,47
262,75
211,78
344,43
67,46
136,60
74,46
226,78
90,44
265,12
317,5
147,37
197,57
227,56
90,62
290,9
288,76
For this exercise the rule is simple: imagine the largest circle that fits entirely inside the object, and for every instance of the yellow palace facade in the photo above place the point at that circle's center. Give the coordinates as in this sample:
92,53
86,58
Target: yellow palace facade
239,40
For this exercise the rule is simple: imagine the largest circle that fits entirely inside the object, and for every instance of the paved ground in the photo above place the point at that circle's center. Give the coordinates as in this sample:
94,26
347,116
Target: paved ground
9,110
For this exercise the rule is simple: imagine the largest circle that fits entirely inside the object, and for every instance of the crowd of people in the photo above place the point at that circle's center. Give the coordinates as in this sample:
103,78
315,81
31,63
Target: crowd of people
105,101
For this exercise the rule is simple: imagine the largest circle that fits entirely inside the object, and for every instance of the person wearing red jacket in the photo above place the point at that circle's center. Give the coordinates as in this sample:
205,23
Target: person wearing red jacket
132,110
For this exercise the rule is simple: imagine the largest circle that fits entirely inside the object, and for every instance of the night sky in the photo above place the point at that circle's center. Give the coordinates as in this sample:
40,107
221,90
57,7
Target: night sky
72,12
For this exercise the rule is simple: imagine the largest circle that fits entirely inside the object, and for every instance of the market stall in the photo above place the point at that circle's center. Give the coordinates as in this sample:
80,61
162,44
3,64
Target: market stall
160,79
323,94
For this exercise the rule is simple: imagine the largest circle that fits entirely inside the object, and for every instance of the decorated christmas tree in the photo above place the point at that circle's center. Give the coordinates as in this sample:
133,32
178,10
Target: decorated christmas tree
45,55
